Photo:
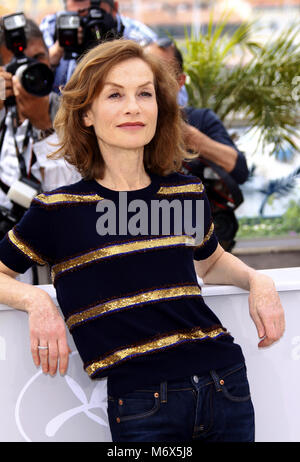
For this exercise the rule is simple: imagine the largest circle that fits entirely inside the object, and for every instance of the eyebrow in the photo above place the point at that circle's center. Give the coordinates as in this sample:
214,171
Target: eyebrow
40,55
113,84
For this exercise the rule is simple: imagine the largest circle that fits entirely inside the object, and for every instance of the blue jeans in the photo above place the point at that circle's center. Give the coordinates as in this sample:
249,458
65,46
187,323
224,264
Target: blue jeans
212,407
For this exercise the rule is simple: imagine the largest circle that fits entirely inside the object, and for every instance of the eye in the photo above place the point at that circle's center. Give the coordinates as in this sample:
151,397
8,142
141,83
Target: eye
115,95
146,94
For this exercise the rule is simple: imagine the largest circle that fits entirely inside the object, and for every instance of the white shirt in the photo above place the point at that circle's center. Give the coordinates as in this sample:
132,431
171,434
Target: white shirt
56,172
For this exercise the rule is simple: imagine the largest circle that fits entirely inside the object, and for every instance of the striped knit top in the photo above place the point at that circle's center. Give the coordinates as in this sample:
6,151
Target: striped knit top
122,266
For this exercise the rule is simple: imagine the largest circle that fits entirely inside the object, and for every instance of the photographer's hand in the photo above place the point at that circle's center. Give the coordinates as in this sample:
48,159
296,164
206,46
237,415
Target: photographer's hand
34,108
219,153
55,54
7,76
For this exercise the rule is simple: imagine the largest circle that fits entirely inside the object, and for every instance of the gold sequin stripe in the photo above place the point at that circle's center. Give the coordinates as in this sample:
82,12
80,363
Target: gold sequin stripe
24,248
132,302
187,188
151,347
206,237
119,249
60,198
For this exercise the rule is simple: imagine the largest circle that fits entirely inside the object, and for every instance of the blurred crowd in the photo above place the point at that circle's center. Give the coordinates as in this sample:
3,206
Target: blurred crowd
36,62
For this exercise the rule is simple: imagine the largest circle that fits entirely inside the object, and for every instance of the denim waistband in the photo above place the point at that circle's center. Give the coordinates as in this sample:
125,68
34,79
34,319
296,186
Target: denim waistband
193,381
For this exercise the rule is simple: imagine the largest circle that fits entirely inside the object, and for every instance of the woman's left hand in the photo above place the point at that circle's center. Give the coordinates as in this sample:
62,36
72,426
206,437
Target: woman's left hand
266,310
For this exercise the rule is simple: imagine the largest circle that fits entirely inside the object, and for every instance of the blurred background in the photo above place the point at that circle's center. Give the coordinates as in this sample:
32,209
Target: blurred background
242,60
175,15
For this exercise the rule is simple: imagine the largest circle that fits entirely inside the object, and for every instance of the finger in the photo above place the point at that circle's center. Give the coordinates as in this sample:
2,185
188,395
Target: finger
273,333
34,351
64,351
52,357
282,323
8,84
16,85
6,75
266,341
258,324
44,356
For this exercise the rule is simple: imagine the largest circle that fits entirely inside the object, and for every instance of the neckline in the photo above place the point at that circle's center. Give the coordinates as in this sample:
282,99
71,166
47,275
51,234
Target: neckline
152,188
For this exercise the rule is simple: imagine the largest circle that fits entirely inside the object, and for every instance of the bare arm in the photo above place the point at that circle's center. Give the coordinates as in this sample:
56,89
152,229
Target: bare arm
264,302
46,326
219,153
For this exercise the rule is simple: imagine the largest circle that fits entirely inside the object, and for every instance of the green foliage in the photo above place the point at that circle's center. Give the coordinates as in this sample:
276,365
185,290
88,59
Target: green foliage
288,223
259,85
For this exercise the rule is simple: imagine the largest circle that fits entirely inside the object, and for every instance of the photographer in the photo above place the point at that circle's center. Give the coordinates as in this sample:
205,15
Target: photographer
25,133
126,27
205,133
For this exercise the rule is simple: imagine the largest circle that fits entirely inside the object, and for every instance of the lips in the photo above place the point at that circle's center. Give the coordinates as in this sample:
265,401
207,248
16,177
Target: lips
132,124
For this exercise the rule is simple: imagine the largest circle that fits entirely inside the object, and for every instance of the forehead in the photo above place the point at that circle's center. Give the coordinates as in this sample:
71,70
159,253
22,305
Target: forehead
133,71
35,46
74,5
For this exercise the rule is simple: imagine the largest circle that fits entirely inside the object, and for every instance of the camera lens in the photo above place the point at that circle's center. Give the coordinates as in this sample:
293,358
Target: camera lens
36,78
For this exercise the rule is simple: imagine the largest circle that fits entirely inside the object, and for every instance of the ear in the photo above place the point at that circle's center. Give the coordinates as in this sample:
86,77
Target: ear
181,80
116,7
88,119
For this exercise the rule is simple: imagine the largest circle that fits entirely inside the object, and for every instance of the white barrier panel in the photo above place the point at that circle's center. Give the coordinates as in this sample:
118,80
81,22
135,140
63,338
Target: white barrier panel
39,408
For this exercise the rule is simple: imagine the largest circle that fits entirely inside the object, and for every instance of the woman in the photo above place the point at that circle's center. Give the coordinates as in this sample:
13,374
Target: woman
131,300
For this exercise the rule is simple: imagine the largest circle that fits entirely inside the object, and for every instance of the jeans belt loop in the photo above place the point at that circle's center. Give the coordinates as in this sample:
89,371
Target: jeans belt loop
163,392
216,380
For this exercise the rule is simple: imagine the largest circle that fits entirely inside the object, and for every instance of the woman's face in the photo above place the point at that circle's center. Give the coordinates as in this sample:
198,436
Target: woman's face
124,114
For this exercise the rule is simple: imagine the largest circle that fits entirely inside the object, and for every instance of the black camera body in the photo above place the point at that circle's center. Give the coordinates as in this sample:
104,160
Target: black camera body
36,78
20,194
98,26
224,196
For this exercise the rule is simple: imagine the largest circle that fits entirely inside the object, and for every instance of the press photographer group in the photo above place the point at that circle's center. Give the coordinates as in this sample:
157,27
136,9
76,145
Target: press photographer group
97,26
37,79
81,26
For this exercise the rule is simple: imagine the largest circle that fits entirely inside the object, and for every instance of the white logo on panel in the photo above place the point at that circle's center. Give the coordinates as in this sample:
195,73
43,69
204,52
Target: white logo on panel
50,427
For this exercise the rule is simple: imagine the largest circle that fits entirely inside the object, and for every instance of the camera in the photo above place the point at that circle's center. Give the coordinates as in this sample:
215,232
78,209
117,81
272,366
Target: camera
224,196
97,26
21,194
36,78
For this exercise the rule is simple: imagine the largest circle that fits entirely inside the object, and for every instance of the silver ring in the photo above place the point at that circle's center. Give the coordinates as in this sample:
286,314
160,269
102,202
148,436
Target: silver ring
42,347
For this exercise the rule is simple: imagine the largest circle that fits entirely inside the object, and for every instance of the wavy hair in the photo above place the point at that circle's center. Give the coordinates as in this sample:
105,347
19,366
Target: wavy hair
78,144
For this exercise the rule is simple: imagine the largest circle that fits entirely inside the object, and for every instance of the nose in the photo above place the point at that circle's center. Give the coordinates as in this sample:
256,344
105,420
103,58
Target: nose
132,105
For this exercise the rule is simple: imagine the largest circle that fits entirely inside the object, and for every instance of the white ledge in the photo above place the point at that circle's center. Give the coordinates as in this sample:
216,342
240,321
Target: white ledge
285,279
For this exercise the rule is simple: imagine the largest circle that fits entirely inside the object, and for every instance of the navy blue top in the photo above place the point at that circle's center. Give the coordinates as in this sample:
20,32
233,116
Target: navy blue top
132,302
209,123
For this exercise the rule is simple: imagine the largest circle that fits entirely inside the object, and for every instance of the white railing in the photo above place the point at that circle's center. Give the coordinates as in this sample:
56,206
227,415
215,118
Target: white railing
37,407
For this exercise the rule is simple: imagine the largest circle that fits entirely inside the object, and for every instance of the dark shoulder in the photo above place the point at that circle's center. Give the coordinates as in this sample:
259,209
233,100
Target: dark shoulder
77,193
177,178
180,184
201,117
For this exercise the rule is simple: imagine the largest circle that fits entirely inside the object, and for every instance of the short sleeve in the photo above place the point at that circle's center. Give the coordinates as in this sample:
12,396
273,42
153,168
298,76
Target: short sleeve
28,242
209,241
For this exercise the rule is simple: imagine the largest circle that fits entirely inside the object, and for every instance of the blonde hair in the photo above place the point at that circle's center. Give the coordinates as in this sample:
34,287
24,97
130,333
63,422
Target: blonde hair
78,143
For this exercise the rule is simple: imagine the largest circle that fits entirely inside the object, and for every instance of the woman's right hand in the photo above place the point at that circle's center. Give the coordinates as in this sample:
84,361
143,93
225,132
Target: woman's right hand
47,328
